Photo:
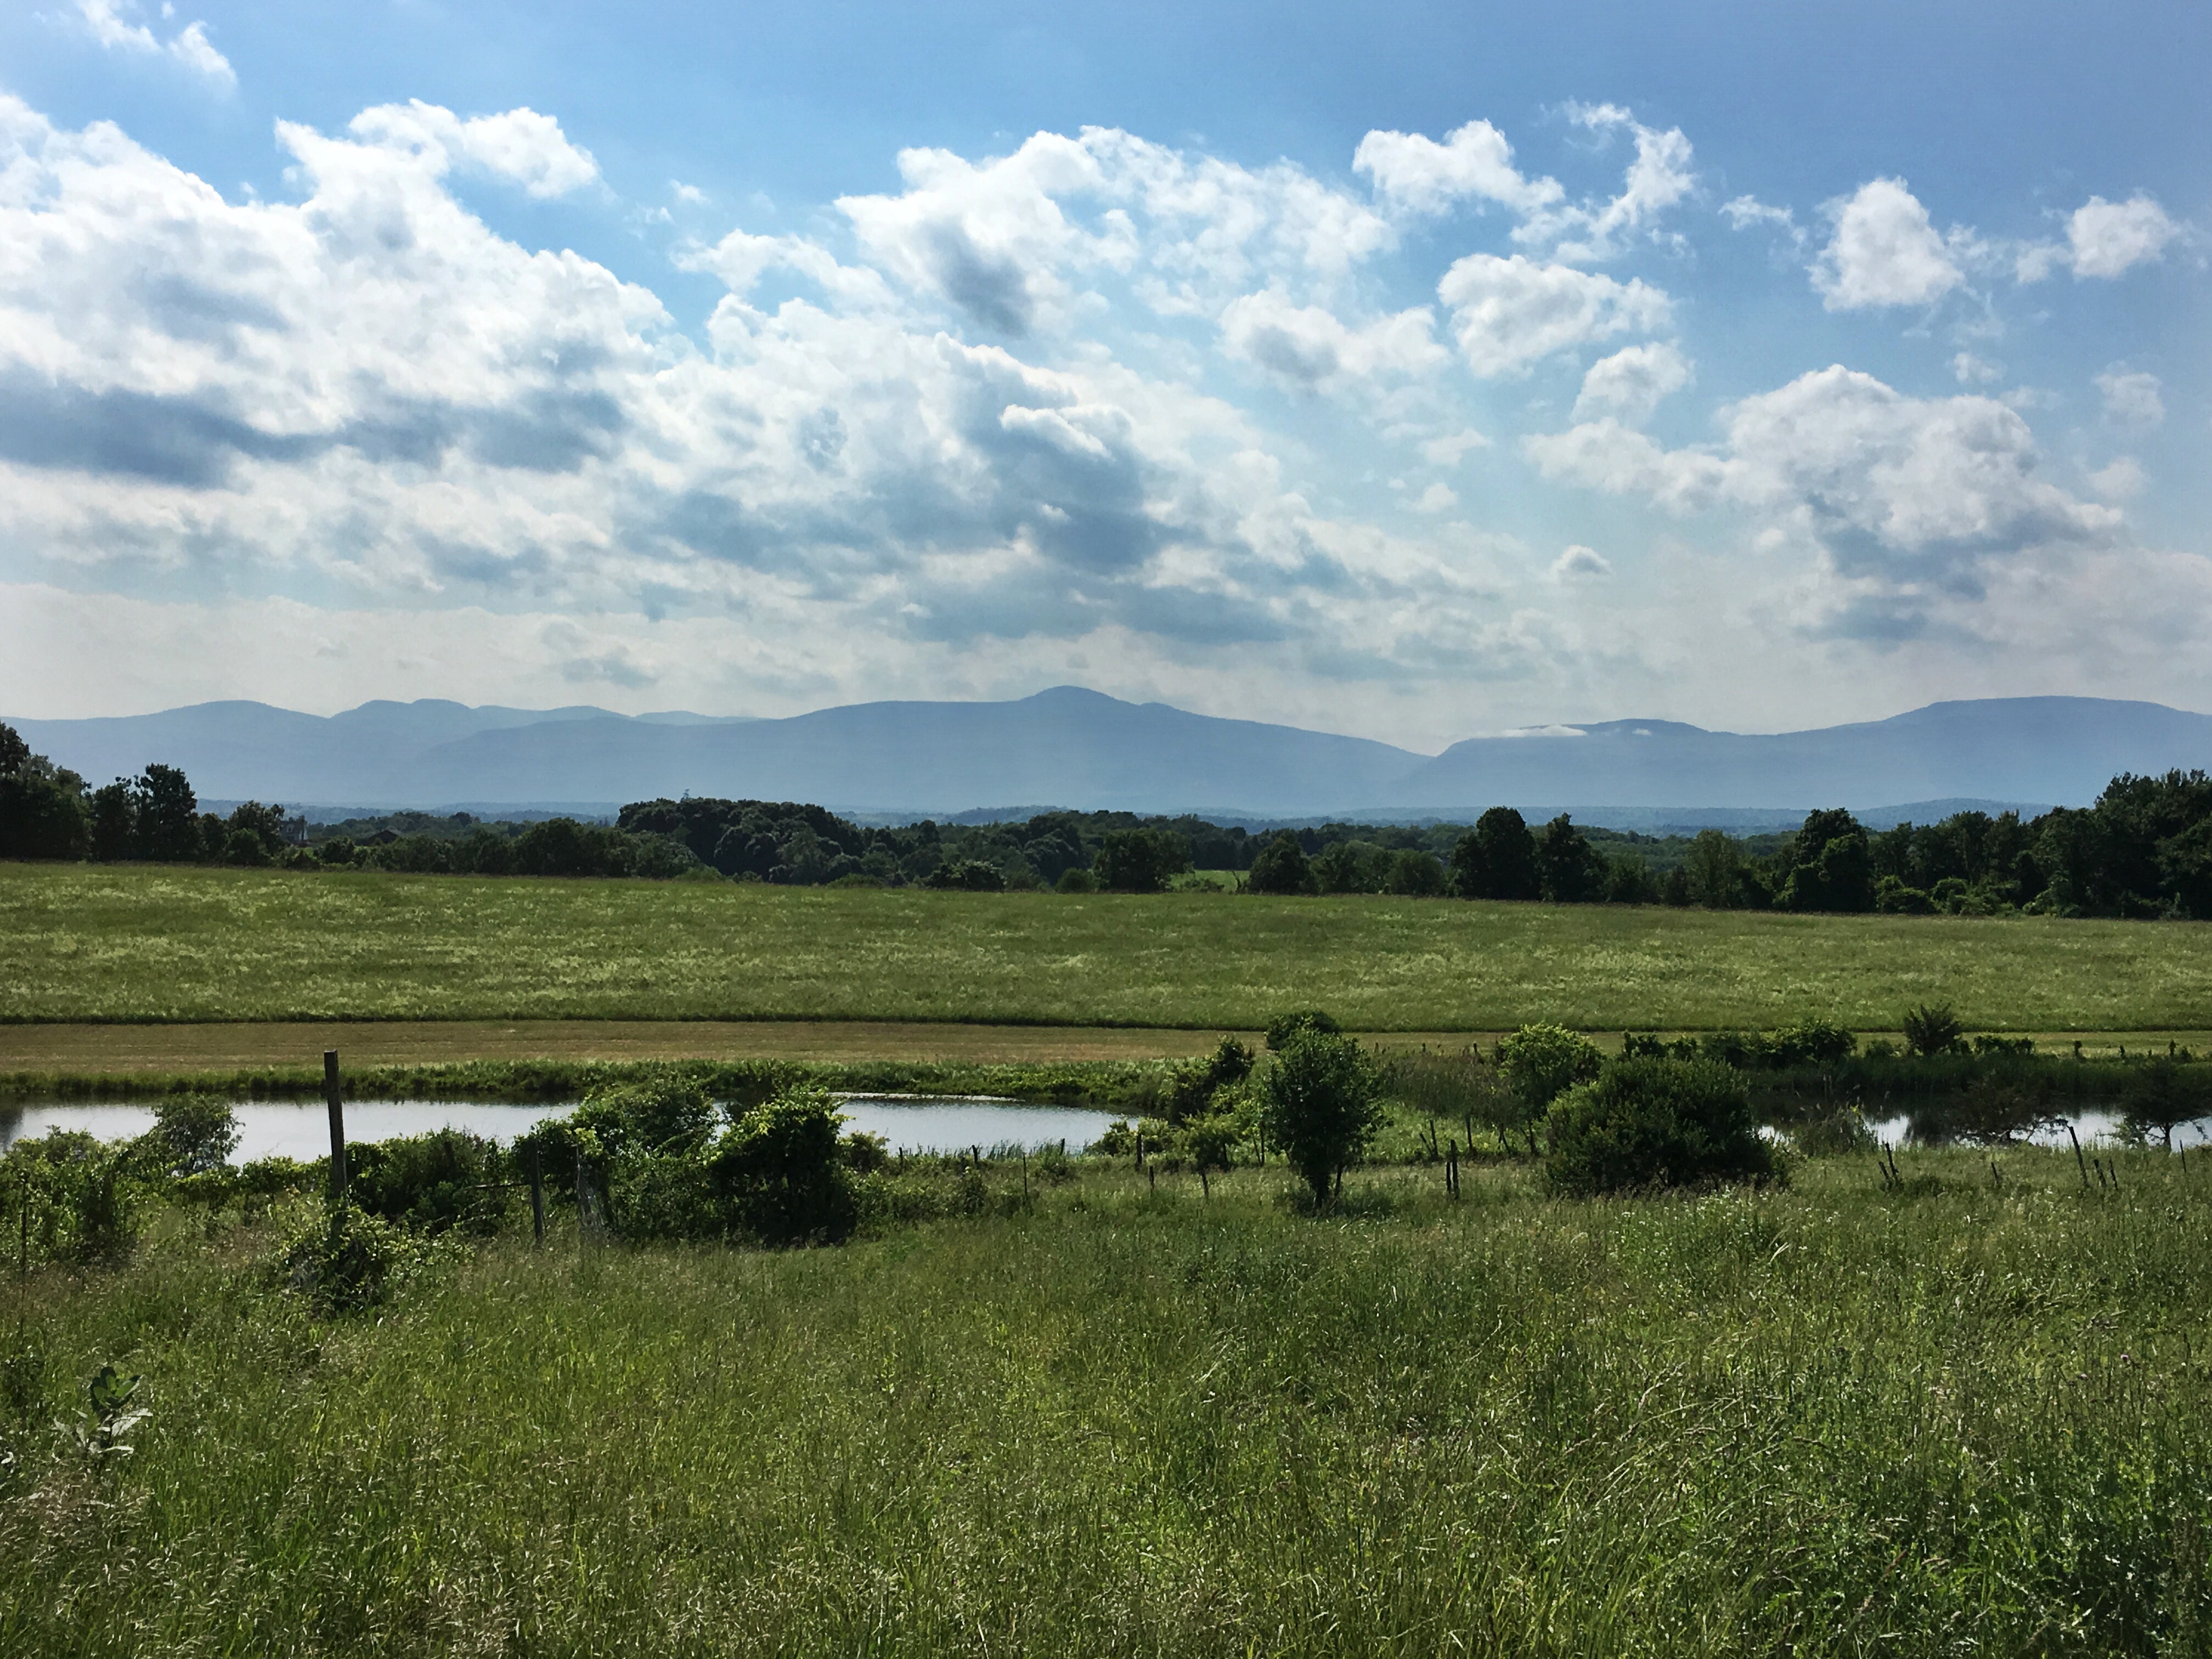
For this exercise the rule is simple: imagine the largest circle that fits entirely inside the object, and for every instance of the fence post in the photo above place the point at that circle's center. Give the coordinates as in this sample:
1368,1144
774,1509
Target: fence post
537,1194
591,1216
337,1125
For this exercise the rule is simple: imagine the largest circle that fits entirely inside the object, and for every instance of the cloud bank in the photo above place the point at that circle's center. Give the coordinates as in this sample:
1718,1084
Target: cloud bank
1097,408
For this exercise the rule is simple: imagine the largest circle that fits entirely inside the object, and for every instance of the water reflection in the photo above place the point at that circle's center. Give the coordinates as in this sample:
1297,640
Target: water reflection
301,1129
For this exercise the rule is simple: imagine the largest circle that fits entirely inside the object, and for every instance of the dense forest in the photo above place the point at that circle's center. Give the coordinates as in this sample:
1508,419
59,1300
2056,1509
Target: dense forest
2143,850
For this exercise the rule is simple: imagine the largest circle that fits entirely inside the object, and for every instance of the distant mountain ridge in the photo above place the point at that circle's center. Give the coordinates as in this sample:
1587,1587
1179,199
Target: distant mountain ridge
1081,749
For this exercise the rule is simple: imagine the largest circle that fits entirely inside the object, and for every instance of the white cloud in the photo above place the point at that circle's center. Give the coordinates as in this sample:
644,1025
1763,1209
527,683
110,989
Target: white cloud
1633,382
1580,563
1898,493
521,146
1011,244
1883,251
1658,179
1446,451
1413,173
2131,399
1436,498
2105,238
1744,211
365,399
190,46
1970,370
1309,348
2123,480
1509,314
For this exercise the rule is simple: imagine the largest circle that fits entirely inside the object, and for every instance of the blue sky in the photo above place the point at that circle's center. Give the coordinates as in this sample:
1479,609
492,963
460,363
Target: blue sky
1419,374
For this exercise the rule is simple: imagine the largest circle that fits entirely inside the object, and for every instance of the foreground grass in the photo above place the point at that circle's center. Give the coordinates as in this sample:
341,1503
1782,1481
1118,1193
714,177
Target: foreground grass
80,943
1830,1420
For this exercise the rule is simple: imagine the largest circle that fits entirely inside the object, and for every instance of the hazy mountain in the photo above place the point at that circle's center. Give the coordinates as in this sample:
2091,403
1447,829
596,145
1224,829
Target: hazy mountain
1079,749
2061,749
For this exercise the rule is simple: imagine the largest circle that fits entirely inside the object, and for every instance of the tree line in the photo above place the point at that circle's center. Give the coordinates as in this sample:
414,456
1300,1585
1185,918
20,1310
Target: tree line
2143,849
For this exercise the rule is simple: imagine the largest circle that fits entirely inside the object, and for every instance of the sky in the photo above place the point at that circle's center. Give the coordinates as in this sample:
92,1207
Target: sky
1420,373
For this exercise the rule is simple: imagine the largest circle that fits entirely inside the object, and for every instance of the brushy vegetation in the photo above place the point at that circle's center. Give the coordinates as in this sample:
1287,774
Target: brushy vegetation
89,943
1096,1415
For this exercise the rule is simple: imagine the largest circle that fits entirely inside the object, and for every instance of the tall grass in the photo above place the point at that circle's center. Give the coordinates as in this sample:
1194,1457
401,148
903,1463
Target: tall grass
122,944
1956,1417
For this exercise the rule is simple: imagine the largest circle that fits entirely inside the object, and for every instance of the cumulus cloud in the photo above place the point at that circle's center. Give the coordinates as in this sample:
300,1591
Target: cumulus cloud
1580,563
190,46
1899,493
1448,450
1883,251
1011,244
1969,370
1412,173
1509,314
1632,383
2108,239
2131,399
1311,349
368,395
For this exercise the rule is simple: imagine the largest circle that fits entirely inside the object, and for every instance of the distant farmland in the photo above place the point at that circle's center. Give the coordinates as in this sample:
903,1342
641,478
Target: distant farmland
182,944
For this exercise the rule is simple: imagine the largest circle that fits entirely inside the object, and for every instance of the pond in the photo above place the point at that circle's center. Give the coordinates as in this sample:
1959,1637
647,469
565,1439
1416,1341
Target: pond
301,1129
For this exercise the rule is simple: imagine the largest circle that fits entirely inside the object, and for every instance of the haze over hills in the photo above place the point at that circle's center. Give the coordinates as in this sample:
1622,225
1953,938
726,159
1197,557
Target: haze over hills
1080,749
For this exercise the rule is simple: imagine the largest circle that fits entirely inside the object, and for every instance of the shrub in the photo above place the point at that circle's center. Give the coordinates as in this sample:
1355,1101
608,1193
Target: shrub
1893,897
1541,1062
967,876
351,1262
1073,880
1193,1085
1284,1027
193,1135
430,1181
1933,1028
1811,1043
1321,1104
1647,1123
779,1173
84,1198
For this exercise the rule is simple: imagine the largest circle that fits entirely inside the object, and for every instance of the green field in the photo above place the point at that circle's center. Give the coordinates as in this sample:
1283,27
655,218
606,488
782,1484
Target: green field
1834,1419
82,943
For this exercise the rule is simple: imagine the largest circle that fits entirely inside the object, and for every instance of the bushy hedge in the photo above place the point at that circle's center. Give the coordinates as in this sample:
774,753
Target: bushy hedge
1643,1123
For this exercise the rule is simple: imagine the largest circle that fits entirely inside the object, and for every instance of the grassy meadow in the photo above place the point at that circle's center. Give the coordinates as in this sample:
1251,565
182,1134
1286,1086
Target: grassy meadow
1829,1419
99,944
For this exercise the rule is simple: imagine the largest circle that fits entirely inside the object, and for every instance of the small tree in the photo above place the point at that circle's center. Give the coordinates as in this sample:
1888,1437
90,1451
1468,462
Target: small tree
1567,871
1280,867
1321,1104
1541,1062
1933,1028
2163,1096
1831,865
193,1135
165,815
1140,860
1413,873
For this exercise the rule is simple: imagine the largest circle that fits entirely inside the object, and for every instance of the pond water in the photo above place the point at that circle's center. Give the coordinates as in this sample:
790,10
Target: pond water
301,1129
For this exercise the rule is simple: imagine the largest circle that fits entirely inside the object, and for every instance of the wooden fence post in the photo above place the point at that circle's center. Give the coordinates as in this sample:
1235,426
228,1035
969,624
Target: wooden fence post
590,1212
536,1193
337,1125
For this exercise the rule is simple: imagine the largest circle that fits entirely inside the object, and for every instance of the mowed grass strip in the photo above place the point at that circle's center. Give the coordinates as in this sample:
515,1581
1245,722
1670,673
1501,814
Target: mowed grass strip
80,943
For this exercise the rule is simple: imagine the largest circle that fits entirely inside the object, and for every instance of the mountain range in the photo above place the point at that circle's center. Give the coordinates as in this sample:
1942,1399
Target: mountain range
1074,748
